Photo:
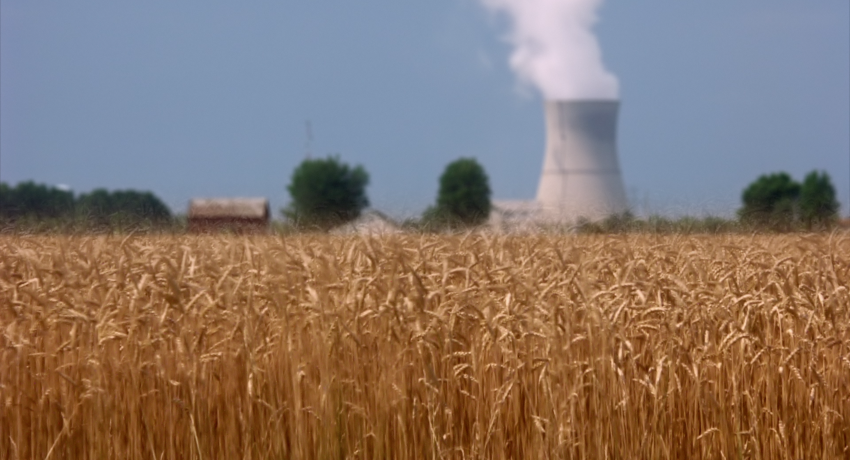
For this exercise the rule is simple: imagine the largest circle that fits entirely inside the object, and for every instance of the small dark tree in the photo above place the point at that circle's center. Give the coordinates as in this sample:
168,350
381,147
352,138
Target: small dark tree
464,195
326,192
818,205
770,201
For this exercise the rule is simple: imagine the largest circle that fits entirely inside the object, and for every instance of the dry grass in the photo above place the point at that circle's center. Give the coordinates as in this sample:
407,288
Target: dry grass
417,347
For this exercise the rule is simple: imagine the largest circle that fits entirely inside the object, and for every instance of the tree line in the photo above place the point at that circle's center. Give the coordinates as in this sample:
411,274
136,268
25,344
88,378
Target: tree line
29,205
327,192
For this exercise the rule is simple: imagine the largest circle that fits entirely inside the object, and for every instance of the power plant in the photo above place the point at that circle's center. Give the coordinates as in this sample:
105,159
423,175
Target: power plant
581,175
556,51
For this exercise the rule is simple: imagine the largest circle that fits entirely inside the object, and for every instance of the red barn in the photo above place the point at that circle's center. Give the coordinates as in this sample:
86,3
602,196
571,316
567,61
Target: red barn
238,215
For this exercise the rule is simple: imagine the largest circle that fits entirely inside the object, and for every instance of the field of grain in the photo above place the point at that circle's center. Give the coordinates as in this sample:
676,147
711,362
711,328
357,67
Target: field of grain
425,347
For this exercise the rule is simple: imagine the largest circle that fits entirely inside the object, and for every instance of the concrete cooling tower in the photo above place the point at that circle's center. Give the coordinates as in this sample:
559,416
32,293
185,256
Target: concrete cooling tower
581,172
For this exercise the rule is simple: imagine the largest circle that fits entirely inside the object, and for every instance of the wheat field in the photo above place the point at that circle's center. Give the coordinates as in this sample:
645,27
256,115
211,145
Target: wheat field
425,347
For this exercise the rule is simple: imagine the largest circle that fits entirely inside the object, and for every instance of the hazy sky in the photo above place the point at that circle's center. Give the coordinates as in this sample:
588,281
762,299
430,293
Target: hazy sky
195,98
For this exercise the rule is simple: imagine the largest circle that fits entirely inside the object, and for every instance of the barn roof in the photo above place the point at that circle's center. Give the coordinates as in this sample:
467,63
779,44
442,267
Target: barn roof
245,208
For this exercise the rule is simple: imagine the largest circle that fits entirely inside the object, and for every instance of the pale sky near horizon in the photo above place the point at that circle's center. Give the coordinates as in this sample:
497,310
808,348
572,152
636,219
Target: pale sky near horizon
198,99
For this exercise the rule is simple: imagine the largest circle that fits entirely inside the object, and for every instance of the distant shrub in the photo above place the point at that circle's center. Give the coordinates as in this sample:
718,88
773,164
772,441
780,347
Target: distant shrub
627,223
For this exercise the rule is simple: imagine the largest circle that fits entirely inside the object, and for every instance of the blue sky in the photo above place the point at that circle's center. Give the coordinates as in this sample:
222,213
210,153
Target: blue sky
195,98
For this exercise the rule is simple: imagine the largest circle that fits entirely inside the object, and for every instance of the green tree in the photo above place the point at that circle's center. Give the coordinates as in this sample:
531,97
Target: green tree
40,206
818,205
122,208
6,202
29,200
326,192
464,194
770,201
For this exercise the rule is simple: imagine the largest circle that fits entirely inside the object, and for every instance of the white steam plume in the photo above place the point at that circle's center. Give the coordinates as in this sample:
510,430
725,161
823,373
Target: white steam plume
555,49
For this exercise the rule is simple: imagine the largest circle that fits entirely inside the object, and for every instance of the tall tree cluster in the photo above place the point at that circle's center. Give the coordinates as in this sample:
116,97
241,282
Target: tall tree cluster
35,201
29,203
777,201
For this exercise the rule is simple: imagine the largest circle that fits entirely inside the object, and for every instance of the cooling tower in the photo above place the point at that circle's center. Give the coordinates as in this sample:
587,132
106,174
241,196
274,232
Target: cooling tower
581,172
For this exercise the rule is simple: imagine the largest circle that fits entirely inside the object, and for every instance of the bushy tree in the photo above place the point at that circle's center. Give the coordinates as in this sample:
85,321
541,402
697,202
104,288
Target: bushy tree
818,205
770,201
326,192
463,198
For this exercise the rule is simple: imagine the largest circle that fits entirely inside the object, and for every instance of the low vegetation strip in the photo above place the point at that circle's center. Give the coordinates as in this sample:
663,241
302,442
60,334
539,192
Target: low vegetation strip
415,347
